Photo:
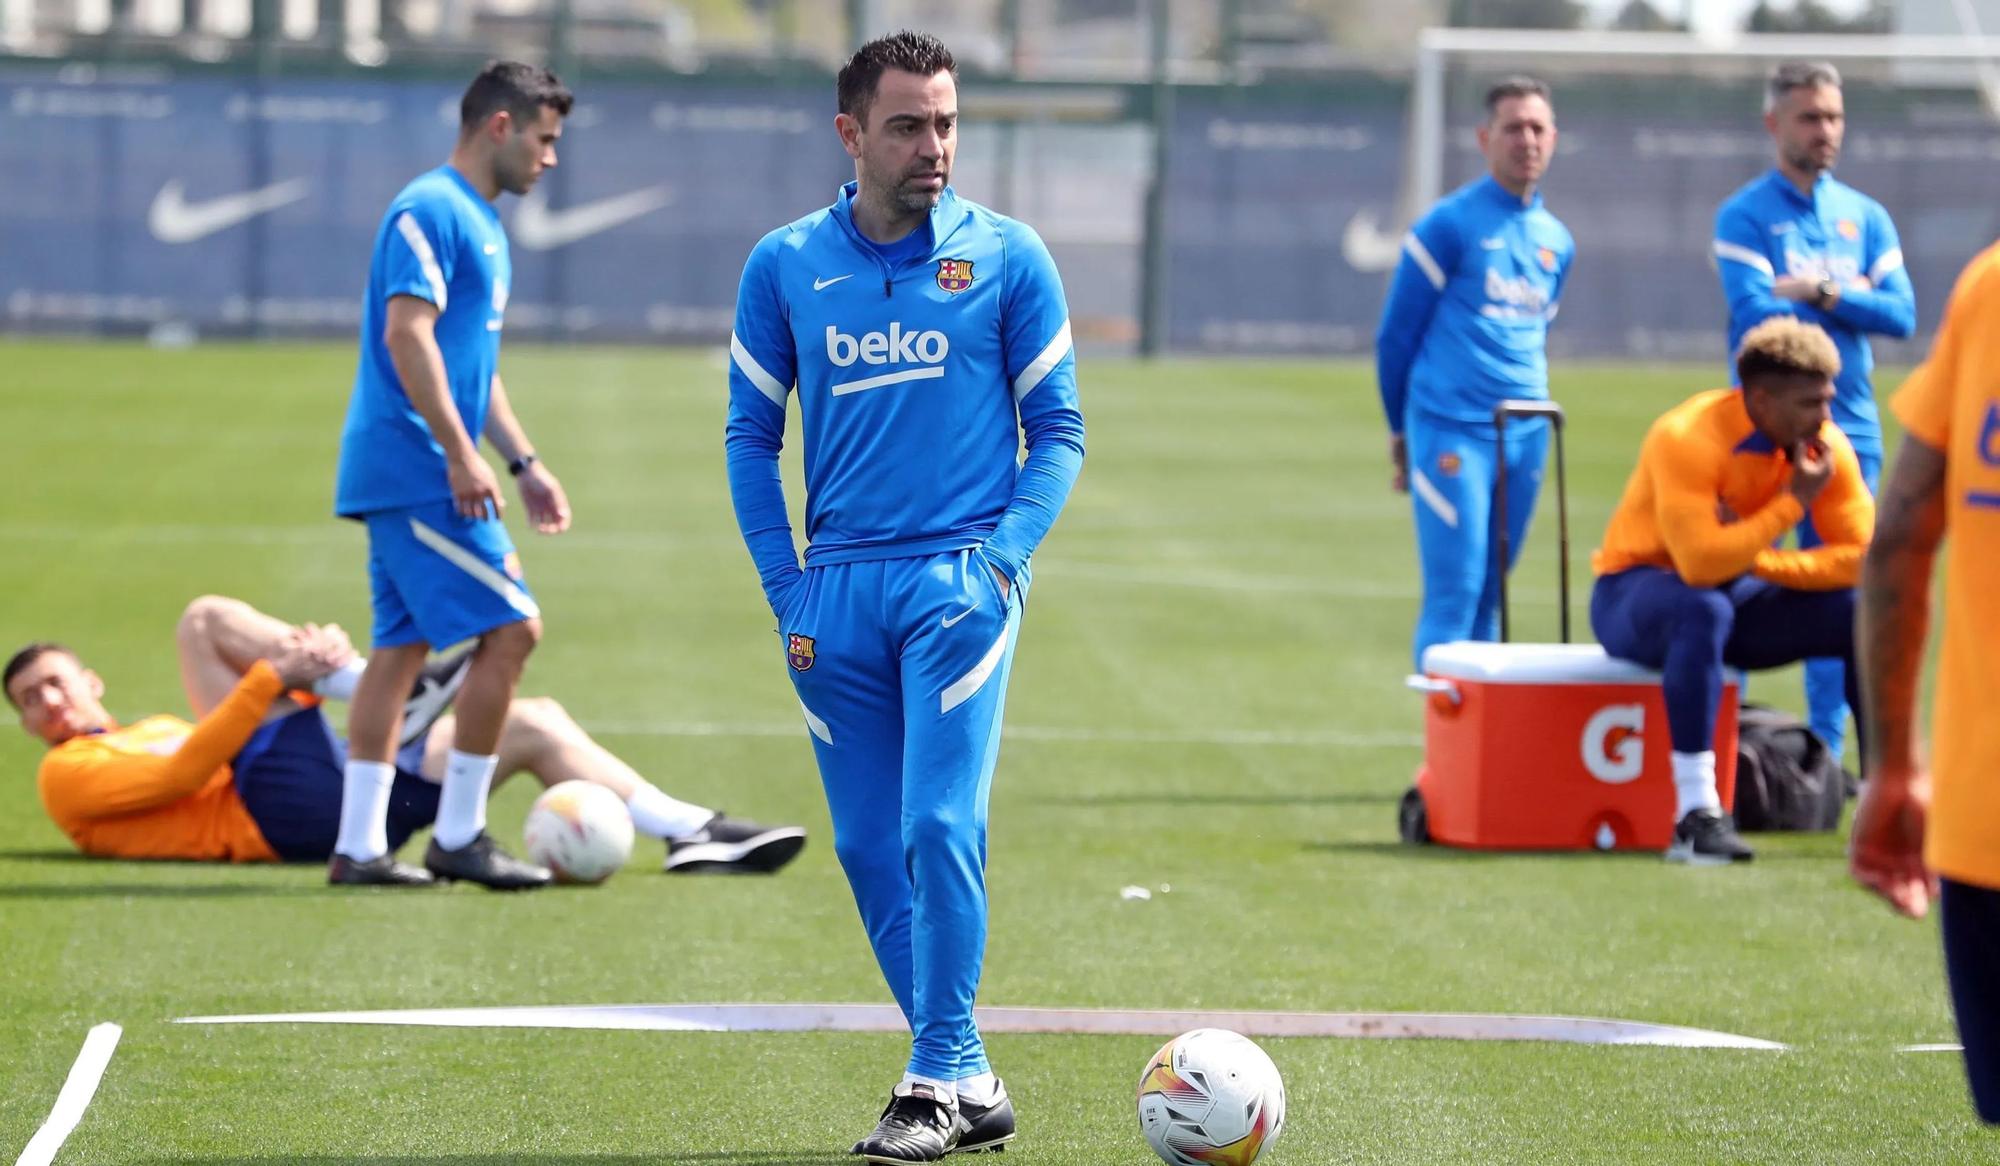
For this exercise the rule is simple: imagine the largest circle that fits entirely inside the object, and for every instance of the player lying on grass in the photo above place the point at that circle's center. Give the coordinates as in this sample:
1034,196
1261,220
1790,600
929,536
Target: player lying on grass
1688,580
257,778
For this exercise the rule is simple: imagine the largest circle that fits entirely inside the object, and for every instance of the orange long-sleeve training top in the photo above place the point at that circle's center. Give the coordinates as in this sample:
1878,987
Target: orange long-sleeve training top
1705,451
163,788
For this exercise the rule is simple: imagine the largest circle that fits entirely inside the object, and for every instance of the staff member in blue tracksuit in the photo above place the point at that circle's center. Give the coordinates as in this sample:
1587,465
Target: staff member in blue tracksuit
1466,327
1797,242
925,335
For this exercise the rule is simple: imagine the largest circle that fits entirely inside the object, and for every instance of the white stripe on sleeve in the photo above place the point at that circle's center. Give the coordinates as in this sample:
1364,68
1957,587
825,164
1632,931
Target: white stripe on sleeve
747,364
406,225
1738,253
1422,255
1892,260
1043,364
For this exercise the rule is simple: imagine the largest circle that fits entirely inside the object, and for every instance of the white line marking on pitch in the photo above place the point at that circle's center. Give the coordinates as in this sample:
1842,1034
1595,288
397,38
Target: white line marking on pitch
1295,738
1093,1021
1930,1048
75,1096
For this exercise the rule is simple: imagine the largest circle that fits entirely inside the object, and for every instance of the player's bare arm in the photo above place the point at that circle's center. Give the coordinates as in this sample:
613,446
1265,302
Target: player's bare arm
410,334
541,493
1885,853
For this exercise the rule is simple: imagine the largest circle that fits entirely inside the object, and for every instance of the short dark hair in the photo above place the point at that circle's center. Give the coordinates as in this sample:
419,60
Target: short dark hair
1519,85
519,88
1798,75
907,51
19,661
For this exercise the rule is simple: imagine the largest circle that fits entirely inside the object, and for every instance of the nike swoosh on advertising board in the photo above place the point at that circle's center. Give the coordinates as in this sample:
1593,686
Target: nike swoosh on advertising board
173,219
1366,247
538,228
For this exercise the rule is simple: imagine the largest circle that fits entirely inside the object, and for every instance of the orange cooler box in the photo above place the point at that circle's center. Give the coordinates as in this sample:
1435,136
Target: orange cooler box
1552,747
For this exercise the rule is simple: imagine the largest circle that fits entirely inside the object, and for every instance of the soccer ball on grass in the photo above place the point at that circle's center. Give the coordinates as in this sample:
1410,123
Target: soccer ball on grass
1211,1098
579,830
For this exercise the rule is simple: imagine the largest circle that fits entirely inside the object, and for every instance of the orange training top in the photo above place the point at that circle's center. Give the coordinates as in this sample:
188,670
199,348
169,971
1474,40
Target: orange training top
1704,452
1952,401
163,788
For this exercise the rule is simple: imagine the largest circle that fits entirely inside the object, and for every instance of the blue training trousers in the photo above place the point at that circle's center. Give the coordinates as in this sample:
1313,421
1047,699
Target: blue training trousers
902,667
1826,678
1650,616
1454,469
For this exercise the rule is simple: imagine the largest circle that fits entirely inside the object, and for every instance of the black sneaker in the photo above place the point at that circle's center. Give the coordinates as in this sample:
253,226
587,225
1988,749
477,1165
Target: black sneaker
985,1128
482,861
726,845
1706,838
380,871
916,1127
436,687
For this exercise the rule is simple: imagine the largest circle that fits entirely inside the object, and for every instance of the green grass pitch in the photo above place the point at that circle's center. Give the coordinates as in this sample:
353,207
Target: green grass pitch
1208,696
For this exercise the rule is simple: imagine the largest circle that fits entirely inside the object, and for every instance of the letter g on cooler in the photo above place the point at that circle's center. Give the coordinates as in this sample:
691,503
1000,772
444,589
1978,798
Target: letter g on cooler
1614,749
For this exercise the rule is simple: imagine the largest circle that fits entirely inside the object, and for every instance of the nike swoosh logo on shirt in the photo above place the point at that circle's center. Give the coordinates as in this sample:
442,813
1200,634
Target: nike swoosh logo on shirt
1493,244
538,228
173,219
822,284
952,619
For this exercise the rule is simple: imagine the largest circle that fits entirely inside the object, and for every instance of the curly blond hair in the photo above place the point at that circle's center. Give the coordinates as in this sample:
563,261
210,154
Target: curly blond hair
1786,345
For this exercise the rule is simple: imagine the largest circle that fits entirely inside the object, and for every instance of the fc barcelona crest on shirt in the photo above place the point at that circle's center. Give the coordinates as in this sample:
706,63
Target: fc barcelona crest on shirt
799,651
954,275
1849,229
1547,255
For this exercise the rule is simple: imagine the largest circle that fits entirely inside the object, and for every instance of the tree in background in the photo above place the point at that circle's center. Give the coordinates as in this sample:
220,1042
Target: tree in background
1814,16
1516,14
1643,16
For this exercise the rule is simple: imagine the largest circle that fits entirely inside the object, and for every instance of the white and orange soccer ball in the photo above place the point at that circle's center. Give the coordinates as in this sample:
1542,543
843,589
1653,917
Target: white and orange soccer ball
579,830
1211,1098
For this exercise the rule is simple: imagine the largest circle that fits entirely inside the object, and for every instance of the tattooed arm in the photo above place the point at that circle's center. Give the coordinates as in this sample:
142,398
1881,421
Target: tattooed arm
1886,851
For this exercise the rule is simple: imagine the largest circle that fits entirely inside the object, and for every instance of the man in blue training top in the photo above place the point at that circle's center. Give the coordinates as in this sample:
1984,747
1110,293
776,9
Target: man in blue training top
440,564
925,335
1796,242
1466,327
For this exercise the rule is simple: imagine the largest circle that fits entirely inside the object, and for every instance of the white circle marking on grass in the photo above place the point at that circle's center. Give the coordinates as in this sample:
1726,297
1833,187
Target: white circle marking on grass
1094,1021
75,1097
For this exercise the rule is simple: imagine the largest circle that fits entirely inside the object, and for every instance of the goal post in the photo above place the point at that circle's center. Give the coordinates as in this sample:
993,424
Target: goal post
1964,61
1658,129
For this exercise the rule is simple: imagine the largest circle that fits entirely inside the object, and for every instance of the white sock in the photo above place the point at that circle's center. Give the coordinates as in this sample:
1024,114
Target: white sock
658,816
1694,783
462,804
364,810
944,1089
339,684
979,1089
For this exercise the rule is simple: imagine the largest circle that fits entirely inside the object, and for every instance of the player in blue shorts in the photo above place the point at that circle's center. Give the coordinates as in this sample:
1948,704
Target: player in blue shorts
1796,242
440,563
925,335
1466,327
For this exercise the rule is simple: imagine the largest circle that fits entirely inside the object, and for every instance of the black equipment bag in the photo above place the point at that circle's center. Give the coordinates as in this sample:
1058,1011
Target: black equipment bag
1786,777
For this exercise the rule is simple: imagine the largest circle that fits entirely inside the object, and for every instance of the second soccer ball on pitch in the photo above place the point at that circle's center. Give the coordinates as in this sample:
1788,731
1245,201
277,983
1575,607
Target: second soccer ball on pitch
1211,1097
579,830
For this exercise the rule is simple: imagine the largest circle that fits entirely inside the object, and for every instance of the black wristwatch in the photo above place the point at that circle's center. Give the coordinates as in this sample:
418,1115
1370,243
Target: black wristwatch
521,463
1828,289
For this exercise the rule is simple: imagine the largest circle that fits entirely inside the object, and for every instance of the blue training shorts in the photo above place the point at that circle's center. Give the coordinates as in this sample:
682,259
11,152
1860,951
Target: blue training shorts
438,578
289,777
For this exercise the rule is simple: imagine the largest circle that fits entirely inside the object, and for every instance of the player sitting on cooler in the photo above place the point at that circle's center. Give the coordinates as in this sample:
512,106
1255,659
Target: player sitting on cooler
1688,580
258,777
